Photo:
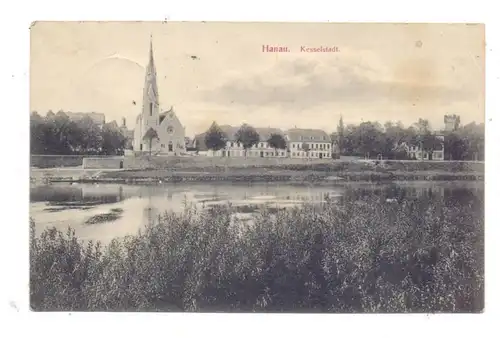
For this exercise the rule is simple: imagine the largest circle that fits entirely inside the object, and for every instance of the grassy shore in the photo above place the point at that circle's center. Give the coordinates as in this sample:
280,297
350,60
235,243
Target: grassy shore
314,171
269,170
358,254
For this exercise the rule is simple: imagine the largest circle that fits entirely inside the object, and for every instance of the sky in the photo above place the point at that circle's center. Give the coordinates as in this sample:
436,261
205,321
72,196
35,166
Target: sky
218,71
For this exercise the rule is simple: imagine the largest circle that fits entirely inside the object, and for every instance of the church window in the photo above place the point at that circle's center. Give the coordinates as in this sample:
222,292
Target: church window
162,145
170,146
170,130
150,108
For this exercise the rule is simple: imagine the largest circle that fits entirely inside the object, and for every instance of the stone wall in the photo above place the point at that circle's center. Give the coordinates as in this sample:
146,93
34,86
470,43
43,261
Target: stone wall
103,163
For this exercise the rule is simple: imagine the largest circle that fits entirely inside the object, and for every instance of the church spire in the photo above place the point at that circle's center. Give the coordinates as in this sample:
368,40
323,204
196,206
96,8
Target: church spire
150,94
151,69
151,59
150,86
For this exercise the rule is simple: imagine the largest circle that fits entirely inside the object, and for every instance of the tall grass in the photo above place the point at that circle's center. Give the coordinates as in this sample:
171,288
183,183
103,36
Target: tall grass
357,254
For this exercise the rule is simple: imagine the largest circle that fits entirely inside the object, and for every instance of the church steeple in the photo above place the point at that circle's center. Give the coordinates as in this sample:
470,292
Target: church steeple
150,106
151,63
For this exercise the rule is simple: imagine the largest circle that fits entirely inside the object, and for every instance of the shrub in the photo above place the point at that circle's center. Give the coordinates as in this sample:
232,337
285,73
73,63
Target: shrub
356,254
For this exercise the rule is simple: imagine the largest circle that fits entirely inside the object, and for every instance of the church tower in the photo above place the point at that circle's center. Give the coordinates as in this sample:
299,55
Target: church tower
150,99
157,131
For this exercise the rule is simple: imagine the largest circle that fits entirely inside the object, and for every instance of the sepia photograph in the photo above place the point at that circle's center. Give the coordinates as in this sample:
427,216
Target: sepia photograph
257,167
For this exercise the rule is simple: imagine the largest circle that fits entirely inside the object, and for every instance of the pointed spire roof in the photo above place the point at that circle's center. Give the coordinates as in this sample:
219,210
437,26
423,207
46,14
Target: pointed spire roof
151,69
151,87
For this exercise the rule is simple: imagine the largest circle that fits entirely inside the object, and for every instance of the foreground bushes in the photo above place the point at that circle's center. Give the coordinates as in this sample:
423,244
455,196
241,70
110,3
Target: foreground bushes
359,254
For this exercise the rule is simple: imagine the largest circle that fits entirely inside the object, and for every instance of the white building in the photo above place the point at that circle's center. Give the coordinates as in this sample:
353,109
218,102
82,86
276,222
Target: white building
318,143
415,151
235,149
169,133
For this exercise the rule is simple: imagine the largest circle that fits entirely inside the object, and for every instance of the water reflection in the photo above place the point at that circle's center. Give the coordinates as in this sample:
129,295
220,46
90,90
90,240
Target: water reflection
143,204
77,193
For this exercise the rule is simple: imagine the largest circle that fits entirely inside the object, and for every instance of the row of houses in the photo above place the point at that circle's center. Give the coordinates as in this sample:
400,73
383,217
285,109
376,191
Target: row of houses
320,144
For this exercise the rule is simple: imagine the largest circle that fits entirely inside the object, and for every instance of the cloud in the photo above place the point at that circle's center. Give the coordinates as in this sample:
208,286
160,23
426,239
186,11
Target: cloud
301,83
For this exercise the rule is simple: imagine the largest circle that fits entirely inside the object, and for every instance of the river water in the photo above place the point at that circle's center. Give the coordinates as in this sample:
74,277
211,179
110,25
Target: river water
63,205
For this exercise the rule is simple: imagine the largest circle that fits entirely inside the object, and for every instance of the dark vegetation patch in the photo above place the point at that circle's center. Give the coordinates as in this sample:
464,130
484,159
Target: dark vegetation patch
421,253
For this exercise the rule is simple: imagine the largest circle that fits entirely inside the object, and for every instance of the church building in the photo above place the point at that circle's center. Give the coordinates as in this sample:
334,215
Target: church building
160,133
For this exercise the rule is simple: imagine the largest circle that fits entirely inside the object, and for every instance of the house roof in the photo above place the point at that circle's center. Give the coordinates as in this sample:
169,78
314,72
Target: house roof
265,133
309,135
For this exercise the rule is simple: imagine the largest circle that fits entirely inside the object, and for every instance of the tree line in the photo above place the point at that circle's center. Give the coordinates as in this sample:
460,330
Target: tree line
57,134
372,139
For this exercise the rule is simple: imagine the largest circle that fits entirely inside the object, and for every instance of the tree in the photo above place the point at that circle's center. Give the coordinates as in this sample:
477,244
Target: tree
277,141
340,135
215,138
58,134
113,141
37,134
247,136
429,143
306,148
150,135
476,147
423,126
455,147
369,139
91,136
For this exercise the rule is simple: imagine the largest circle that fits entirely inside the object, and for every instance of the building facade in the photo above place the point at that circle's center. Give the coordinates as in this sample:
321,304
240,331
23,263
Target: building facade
309,143
157,132
319,144
235,149
415,151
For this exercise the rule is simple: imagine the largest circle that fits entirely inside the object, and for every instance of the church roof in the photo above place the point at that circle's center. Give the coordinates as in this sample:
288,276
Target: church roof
164,114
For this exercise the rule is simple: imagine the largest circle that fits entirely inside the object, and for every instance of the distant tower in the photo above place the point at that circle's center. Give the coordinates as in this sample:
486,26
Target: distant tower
451,122
124,122
150,99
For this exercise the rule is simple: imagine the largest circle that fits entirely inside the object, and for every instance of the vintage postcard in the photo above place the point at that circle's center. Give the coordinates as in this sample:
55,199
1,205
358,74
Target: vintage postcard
257,167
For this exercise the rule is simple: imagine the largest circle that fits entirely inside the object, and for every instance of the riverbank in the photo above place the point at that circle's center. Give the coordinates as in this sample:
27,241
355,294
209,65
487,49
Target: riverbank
312,177
313,172
423,254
